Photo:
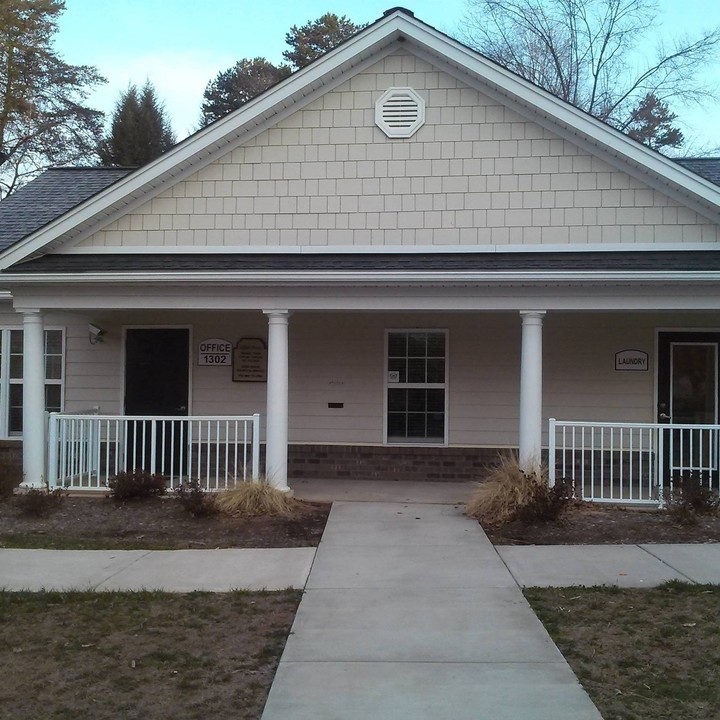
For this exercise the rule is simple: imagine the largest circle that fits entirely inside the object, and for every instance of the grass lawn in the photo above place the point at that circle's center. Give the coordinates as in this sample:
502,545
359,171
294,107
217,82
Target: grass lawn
140,655
648,654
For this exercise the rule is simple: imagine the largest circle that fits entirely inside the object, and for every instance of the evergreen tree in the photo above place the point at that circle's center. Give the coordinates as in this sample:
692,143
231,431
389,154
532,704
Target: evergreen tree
317,37
651,124
237,85
233,87
140,130
43,118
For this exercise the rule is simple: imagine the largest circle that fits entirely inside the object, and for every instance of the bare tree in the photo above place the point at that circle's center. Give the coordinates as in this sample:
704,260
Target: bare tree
583,51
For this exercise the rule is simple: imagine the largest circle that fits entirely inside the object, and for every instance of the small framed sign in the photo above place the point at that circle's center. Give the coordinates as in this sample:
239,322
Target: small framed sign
631,361
215,351
250,360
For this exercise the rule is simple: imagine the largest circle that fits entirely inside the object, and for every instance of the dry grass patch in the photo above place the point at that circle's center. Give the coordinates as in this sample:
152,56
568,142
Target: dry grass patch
252,499
642,654
140,656
508,493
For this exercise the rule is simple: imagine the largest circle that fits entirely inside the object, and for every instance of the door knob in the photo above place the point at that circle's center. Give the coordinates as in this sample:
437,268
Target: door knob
665,416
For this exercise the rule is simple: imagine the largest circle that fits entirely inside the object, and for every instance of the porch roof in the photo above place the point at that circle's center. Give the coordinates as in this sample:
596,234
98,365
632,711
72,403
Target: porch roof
183,264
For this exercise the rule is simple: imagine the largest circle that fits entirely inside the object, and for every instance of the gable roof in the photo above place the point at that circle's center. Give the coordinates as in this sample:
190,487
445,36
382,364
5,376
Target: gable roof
49,196
394,30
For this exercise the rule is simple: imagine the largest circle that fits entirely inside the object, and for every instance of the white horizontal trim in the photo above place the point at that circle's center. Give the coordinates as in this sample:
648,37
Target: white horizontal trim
380,249
361,277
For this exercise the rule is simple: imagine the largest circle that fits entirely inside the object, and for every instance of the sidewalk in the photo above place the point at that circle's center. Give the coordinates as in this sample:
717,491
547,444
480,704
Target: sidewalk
622,565
169,570
409,613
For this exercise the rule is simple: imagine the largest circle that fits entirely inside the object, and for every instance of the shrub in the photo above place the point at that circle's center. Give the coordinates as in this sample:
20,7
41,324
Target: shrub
690,499
249,499
508,493
195,500
136,485
38,502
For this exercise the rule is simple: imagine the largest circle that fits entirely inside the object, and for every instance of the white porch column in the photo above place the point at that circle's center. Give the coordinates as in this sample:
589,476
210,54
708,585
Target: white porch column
276,450
33,399
531,389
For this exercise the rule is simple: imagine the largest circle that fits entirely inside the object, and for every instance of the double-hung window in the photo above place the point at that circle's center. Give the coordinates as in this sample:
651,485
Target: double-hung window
416,386
11,377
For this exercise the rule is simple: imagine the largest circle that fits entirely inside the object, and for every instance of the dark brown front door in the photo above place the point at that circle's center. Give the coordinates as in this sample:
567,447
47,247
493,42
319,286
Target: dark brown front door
156,383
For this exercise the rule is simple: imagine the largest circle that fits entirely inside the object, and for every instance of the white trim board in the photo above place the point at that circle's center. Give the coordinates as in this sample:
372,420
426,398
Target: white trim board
379,249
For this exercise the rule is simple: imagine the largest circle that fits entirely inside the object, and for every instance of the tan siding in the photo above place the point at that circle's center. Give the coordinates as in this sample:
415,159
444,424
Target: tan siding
476,173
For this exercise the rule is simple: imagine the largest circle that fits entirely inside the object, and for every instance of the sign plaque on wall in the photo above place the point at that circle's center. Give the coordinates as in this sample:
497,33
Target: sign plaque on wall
631,360
250,360
214,351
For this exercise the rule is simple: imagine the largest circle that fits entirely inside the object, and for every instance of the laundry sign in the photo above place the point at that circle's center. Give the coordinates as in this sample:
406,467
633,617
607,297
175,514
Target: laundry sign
631,360
215,351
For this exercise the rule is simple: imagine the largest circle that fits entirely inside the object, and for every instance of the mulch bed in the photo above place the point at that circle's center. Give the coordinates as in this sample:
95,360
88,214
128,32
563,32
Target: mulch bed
157,523
586,524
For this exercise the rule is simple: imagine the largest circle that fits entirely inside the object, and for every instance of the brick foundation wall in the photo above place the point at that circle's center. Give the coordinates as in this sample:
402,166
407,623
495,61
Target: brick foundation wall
357,462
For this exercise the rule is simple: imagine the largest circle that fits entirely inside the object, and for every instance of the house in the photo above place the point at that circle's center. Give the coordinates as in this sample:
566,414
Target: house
402,257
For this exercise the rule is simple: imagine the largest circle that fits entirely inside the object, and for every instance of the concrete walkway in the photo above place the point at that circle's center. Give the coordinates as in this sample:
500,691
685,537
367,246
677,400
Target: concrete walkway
634,566
169,570
409,613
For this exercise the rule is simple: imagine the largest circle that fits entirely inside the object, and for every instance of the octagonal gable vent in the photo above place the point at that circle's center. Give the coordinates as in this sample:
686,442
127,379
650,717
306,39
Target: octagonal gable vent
400,112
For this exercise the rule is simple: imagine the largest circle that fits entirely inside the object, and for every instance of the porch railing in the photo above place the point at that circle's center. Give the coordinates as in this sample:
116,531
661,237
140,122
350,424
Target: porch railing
86,450
632,462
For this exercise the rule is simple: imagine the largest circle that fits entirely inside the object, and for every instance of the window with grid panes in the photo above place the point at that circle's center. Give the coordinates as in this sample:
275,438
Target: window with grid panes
11,377
416,386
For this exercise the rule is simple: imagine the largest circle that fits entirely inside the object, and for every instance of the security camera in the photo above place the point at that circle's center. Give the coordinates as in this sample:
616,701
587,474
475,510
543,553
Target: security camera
96,333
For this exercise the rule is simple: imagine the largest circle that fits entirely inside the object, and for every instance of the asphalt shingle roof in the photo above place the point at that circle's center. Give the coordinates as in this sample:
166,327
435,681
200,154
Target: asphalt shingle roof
709,168
640,261
49,196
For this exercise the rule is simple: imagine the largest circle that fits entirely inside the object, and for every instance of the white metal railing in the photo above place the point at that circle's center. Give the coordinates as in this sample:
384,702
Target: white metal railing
631,462
85,450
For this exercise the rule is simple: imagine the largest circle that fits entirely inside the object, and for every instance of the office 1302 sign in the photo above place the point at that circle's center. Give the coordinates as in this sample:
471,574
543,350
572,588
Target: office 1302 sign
631,360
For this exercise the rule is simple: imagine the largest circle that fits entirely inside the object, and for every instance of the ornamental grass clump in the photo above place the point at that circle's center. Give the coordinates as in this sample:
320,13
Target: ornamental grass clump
250,499
508,493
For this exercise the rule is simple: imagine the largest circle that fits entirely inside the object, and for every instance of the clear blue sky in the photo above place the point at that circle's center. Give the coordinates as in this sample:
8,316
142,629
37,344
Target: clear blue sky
180,45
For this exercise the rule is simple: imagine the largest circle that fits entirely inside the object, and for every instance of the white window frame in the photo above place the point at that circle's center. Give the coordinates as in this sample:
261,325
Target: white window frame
428,386
6,381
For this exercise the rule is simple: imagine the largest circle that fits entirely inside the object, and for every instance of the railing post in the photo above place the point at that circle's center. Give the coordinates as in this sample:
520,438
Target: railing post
660,465
256,447
551,452
52,469
153,446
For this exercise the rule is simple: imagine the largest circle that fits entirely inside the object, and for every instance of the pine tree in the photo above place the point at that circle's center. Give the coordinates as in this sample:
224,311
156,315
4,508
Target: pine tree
140,129
651,124
233,87
317,37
